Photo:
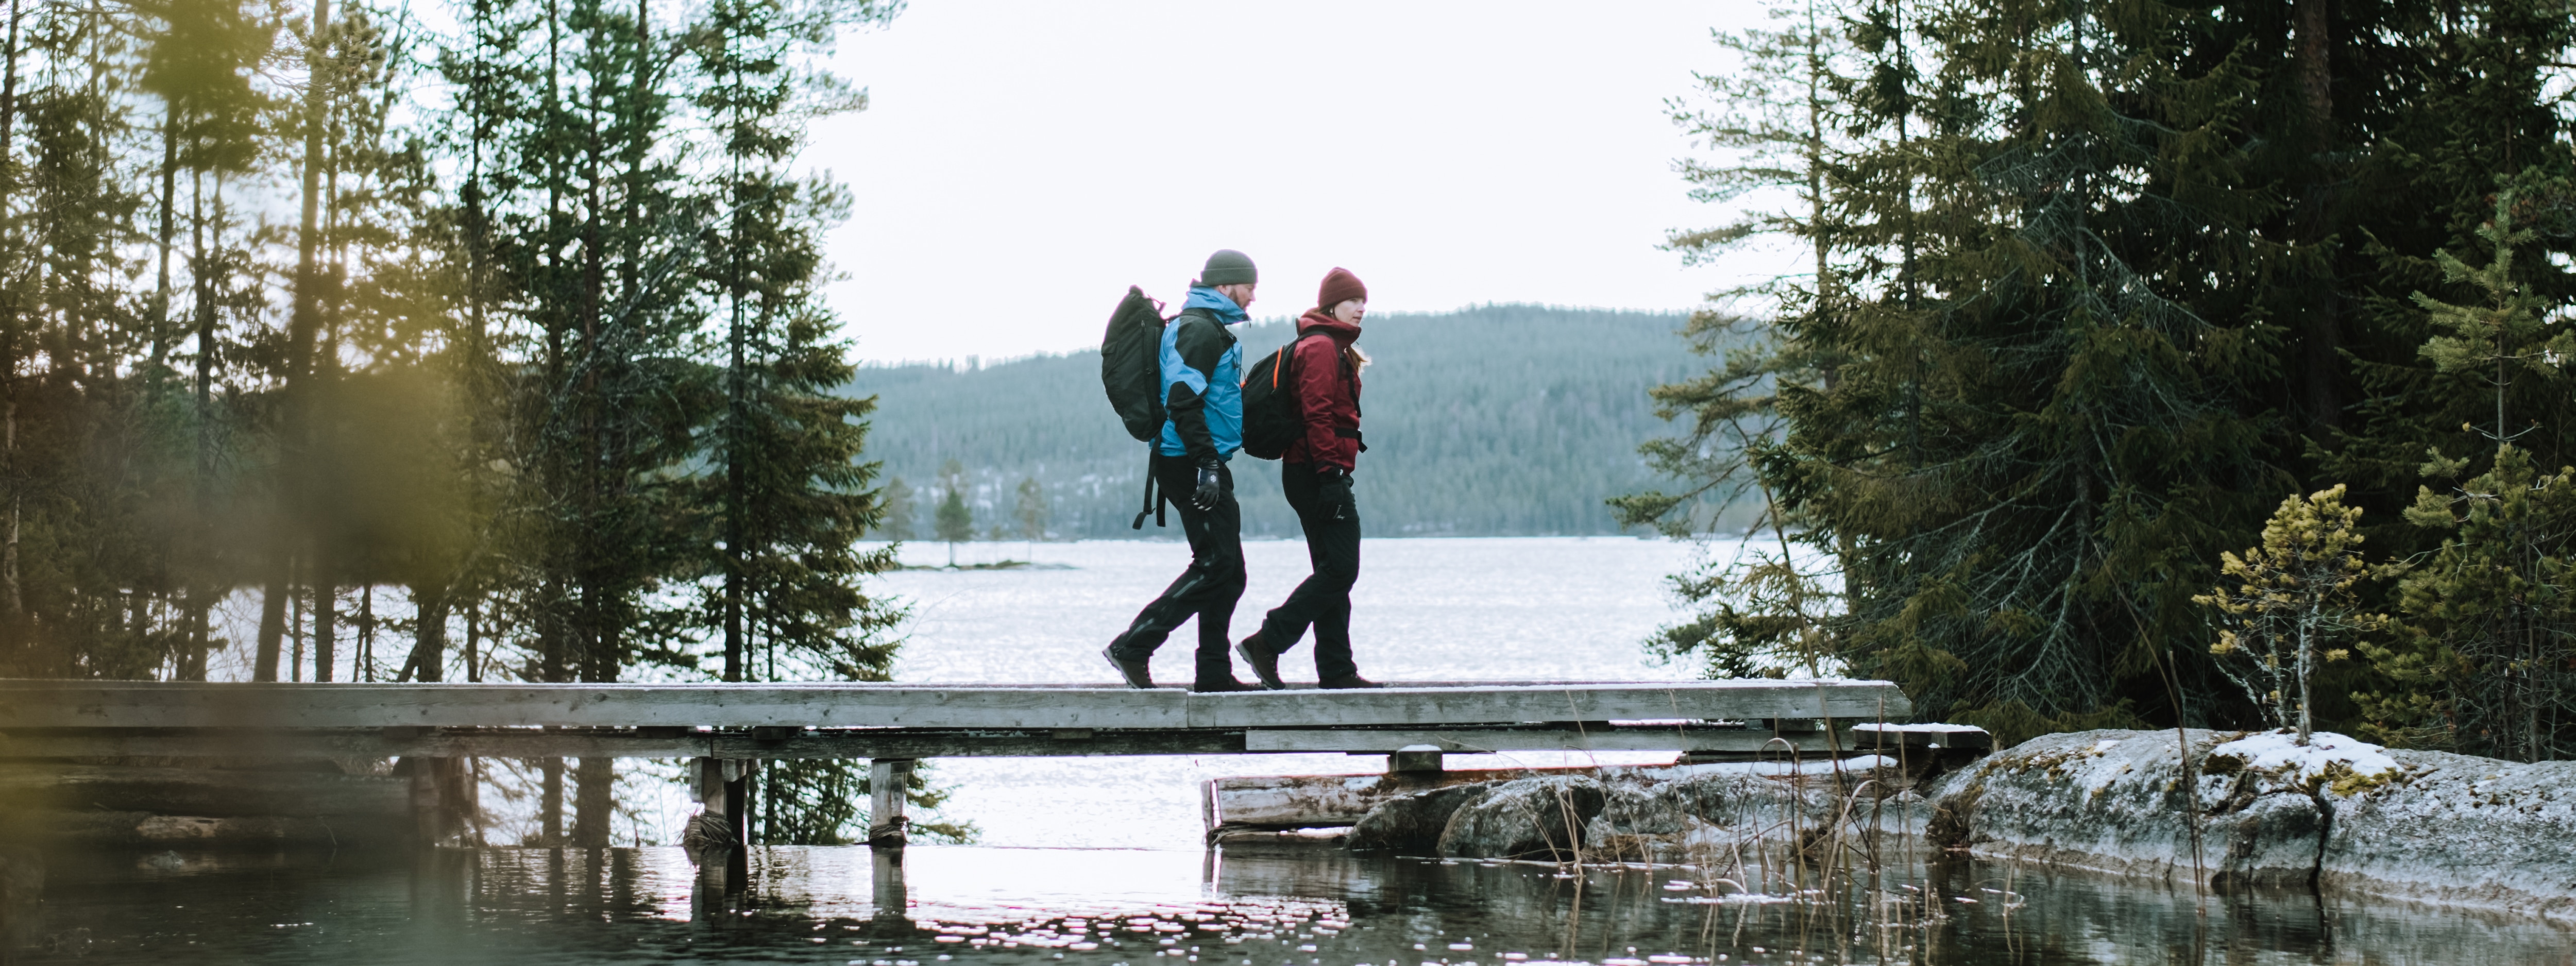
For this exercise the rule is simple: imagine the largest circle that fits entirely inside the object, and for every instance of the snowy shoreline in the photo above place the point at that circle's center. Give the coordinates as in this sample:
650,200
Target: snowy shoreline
2339,815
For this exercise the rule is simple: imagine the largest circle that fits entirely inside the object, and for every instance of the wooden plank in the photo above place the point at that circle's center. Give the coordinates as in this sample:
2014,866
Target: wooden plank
47,704
60,704
218,793
534,743
1457,741
1694,700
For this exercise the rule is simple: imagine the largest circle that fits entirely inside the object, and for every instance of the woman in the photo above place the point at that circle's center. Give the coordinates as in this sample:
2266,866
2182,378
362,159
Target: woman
1316,473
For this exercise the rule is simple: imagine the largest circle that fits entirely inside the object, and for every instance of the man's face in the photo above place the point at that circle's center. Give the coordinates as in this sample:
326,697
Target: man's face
1241,293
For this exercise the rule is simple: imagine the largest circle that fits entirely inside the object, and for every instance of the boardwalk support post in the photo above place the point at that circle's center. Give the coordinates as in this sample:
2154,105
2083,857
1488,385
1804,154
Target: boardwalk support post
887,780
1414,760
442,797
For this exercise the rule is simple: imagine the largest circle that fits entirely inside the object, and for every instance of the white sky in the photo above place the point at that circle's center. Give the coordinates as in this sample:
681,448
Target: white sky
1024,161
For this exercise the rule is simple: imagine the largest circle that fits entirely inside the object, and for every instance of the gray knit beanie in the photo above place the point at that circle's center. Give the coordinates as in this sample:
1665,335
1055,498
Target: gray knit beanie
1228,267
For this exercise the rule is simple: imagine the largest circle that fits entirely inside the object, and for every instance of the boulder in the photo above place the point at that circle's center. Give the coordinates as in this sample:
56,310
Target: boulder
2116,801
2460,830
1411,824
1731,805
1534,818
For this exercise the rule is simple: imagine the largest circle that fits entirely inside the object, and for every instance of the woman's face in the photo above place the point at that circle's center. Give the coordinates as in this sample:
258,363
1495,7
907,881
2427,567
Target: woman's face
1351,310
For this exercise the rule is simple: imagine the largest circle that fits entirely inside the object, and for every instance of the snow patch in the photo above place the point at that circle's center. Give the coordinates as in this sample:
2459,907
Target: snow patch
2279,753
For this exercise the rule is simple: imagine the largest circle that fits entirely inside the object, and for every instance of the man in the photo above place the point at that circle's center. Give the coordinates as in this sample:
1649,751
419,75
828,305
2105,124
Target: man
1203,404
1316,473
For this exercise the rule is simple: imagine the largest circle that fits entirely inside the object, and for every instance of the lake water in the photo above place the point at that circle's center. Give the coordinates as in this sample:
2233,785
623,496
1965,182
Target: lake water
1110,846
1539,608
1113,907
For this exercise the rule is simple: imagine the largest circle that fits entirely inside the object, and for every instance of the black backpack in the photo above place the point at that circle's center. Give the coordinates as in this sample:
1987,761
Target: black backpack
1131,370
1131,364
1270,420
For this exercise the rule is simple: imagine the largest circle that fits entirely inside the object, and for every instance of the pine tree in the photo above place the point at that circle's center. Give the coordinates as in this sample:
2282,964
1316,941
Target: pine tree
791,602
2484,665
2293,598
955,523
899,511
1032,510
1775,120
2483,662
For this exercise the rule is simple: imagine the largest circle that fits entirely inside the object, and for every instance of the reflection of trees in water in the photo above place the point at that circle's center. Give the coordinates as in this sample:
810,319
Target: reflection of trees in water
624,905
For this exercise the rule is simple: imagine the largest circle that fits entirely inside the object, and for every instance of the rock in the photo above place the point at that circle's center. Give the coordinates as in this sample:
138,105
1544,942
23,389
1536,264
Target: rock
1728,806
1411,824
1540,818
2114,801
2463,831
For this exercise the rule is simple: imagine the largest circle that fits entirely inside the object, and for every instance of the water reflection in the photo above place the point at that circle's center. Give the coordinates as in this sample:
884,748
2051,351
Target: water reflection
929,904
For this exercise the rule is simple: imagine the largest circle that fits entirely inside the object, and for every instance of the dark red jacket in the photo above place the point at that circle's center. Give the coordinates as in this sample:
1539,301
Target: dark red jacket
1328,393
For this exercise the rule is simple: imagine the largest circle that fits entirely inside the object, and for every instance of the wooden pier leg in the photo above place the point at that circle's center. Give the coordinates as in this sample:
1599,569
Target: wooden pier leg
887,780
892,916
712,839
437,802
1414,760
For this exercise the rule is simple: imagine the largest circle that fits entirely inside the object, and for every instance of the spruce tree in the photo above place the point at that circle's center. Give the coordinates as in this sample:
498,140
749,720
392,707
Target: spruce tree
1775,121
897,524
790,601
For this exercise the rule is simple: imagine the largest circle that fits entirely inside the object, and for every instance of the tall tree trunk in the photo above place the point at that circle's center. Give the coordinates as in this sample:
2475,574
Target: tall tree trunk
550,802
365,667
326,610
12,602
594,801
201,486
161,291
428,660
272,617
737,483
303,330
2321,332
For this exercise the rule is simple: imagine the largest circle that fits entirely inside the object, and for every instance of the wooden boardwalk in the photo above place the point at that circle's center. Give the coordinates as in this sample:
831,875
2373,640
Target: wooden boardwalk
435,728
61,718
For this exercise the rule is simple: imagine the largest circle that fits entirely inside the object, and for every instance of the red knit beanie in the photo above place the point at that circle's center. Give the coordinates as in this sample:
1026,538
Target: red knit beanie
1339,286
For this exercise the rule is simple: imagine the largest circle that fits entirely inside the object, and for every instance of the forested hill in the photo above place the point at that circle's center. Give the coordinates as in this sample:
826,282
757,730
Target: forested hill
1500,420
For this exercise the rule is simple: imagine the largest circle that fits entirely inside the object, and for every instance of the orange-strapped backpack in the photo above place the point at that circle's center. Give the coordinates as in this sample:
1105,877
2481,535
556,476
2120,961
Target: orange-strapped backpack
1270,420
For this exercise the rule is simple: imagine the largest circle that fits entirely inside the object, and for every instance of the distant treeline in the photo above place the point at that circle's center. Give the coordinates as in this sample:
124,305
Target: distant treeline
1503,419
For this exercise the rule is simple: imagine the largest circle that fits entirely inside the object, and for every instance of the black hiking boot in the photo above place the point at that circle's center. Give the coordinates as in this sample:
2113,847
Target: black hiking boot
1223,685
1348,682
1135,672
1265,662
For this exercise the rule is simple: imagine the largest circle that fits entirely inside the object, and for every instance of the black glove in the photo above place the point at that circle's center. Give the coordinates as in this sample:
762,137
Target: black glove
1333,489
1209,491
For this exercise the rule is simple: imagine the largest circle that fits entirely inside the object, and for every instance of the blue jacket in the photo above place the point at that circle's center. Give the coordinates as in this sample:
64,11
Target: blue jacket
1202,379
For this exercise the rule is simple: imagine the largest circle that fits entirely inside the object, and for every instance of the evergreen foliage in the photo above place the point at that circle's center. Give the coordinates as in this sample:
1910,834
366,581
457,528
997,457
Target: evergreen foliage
2095,284
895,523
2486,659
1032,511
512,307
2294,598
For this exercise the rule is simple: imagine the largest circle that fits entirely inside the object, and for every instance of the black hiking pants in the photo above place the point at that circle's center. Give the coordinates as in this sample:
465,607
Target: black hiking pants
1323,600
1212,585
